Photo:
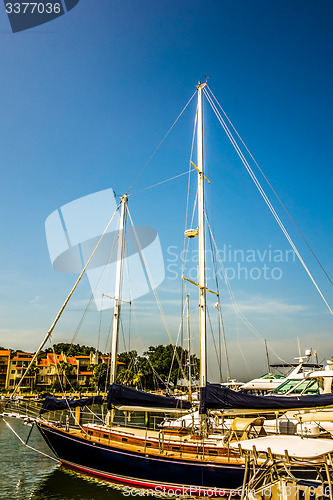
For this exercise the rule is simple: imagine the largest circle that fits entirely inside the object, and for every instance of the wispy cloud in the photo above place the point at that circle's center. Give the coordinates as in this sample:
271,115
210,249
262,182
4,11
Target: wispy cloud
265,306
35,300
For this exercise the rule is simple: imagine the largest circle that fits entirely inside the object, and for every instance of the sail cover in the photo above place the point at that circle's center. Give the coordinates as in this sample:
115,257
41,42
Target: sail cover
120,395
54,404
215,397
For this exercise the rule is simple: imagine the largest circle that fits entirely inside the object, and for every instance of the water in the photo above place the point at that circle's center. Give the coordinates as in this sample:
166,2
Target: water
27,475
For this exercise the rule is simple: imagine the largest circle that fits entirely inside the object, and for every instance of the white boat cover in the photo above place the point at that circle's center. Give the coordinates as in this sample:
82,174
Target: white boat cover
296,447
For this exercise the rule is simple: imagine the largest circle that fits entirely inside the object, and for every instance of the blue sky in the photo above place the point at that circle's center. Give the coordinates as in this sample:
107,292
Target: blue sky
86,99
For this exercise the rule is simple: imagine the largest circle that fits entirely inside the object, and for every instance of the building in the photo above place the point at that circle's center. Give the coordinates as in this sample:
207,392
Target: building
4,367
54,371
85,373
17,367
56,368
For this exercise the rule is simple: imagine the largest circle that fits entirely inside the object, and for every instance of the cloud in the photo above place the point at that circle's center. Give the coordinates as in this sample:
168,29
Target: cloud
264,306
35,300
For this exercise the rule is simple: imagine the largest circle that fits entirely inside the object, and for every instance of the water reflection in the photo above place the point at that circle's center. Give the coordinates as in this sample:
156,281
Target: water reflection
63,484
27,475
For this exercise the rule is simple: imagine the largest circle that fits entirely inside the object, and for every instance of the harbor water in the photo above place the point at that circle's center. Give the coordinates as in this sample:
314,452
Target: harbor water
28,475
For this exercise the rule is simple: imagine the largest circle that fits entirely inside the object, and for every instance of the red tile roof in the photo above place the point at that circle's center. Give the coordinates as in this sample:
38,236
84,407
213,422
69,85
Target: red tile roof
72,361
22,359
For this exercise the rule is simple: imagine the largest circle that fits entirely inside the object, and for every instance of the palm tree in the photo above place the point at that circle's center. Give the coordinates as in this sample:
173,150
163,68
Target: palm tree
65,370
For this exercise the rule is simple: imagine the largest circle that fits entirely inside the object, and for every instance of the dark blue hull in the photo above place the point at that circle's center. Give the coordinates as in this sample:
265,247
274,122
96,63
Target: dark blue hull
138,469
161,473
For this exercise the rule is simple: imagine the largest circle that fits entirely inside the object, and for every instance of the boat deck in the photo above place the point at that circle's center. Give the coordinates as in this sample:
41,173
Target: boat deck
156,443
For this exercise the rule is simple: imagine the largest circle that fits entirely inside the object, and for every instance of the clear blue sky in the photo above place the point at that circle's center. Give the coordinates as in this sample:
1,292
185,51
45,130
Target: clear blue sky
85,100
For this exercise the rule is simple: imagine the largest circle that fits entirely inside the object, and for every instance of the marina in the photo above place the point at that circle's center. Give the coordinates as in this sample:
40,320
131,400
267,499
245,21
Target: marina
223,442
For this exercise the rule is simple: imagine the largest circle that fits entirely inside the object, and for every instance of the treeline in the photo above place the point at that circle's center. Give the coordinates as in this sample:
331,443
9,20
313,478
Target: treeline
70,349
66,348
159,367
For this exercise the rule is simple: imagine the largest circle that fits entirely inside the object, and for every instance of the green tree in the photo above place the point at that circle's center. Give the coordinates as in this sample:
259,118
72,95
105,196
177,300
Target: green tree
158,367
66,371
100,373
71,349
33,372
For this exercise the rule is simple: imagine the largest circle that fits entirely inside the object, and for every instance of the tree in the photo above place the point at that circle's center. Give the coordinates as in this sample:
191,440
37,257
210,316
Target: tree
100,372
71,349
66,371
157,368
33,372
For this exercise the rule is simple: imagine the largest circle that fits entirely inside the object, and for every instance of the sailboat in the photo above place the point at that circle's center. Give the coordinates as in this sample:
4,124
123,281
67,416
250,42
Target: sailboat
144,457
201,462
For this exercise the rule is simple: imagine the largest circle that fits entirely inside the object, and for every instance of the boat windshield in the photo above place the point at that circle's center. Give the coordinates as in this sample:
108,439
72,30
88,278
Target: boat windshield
271,375
298,387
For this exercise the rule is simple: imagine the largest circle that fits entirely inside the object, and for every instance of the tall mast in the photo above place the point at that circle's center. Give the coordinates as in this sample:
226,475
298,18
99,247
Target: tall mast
189,342
201,227
117,292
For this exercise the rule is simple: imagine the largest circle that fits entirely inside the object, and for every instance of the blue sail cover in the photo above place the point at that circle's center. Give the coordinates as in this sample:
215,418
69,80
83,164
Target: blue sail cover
215,397
53,404
120,395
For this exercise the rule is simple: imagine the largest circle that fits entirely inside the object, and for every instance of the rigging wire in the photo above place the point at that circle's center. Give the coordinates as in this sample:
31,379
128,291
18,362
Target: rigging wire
175,346
234,303
52,327
27,445
100,325
214,343
155,373
153,288
263,194
221,330
160,144
220,317
61,384
272,188
161,182
242,353
185,250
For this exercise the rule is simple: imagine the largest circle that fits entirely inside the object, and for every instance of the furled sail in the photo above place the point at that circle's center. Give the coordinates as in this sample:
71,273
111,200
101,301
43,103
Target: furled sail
120,395
215,397
53,404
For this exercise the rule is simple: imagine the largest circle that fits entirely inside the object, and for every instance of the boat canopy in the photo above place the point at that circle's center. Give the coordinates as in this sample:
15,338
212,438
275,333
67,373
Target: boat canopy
216,397
53,404
120,395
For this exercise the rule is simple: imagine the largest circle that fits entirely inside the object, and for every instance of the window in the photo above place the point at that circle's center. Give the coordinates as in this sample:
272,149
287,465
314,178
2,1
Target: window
12,372
294,387
286,386
307,387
